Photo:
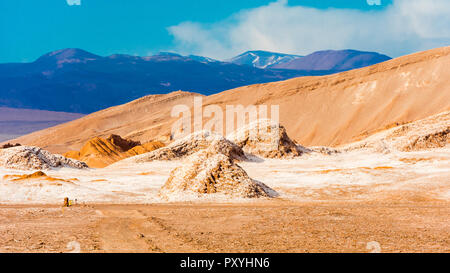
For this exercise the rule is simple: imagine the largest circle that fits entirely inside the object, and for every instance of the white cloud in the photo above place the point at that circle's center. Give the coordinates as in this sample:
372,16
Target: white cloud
404,27
73,2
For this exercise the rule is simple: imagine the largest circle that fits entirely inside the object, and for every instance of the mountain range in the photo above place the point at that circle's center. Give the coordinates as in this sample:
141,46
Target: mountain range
74,80
329,110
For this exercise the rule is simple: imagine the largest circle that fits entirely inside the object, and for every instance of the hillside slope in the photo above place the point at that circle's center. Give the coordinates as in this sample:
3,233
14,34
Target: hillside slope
327,110
142,119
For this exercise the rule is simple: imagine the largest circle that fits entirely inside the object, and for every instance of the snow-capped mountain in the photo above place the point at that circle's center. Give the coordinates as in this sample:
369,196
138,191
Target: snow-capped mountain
262,59
202,59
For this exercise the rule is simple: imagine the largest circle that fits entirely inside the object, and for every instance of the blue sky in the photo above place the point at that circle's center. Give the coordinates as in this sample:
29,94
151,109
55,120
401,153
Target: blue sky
219,28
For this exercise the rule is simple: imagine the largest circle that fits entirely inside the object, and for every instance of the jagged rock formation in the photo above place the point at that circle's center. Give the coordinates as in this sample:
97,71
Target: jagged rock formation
267,139
145,148
9,145
99,152
123,144
189,145
211,172
26,158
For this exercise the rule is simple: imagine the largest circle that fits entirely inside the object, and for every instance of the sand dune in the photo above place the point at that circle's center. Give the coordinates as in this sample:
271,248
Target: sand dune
329,110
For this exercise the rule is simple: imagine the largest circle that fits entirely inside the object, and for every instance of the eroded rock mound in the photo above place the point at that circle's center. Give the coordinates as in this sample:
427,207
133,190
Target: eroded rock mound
429,133
122,144
267,139
28,158
211,172
192,144
436,139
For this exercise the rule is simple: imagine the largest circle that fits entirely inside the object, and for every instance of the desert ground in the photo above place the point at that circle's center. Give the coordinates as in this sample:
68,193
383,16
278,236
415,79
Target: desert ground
334,203
270,226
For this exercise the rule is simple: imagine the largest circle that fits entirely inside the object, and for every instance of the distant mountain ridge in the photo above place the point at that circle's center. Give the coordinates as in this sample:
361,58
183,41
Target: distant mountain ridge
67,55
74,80
262,59
338,60
326,60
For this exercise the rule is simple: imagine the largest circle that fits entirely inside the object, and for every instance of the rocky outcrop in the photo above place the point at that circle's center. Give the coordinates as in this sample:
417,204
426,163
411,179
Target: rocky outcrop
211,172
9,145
29,158
190,145
267,139
99,152
432,132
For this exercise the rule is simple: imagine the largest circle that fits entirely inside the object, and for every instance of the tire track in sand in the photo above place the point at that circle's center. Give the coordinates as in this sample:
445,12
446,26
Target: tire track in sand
135,231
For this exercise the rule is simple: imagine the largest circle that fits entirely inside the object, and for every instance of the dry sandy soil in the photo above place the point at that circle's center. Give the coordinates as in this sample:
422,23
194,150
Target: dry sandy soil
268,226
333,203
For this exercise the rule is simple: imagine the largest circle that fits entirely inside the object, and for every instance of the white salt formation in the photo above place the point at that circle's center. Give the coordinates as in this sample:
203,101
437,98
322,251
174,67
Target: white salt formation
432,132
29,158
211,172
266,138
189,145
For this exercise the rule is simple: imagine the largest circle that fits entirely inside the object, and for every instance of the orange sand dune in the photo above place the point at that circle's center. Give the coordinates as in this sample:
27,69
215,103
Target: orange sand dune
327,110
